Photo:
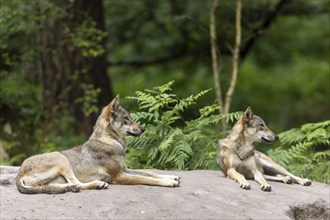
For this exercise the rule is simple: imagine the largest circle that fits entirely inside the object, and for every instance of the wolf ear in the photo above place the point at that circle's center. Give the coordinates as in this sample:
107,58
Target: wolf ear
114,104
111,108
247,115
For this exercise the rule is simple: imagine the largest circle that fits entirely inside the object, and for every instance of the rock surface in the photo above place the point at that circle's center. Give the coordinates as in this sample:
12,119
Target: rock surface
203,194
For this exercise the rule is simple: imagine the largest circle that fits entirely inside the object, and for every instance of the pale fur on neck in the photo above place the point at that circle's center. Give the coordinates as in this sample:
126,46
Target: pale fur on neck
243,146
104,135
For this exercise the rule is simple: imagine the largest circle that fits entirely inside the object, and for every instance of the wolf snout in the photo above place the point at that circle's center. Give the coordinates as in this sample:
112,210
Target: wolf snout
136,131
140,130
270,140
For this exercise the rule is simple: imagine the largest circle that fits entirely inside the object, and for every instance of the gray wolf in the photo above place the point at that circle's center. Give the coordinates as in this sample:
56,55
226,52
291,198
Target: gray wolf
93,165
238,158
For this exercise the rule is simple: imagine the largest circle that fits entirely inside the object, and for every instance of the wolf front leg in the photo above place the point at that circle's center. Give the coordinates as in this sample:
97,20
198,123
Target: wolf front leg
150,174
233,174
261,180
133,179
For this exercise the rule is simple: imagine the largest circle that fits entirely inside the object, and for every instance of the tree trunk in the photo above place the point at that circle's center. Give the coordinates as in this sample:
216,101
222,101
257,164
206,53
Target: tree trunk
235,60
215,53
63,69
97,66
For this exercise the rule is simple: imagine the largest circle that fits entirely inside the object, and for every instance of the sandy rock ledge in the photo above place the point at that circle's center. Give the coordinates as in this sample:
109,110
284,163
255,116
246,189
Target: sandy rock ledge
203,194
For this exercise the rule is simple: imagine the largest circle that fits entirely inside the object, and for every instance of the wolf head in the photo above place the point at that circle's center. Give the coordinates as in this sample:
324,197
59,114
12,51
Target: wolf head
118,120
255,128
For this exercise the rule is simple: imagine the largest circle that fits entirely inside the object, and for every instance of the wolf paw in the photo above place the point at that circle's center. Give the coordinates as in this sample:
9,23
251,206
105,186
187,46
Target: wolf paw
305,182
172,183
74,188
287,180
170,177
245,185
101,185
176,183
266,187
176,178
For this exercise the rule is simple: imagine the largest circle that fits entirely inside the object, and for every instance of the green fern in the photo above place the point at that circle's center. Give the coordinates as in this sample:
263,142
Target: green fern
304,151
169,141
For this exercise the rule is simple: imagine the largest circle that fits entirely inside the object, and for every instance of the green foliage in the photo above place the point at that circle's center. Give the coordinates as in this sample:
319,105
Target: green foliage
89,100
87,37
284,63
305,151
22,102
169,141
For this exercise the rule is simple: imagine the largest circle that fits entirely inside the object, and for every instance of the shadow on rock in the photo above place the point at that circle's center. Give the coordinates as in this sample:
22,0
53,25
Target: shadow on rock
315,210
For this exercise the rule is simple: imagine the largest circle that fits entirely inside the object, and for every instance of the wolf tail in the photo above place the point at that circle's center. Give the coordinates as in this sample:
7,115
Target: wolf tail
48,189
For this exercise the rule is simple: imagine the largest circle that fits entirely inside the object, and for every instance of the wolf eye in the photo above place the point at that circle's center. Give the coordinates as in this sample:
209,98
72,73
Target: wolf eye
126,120
261,128
262,125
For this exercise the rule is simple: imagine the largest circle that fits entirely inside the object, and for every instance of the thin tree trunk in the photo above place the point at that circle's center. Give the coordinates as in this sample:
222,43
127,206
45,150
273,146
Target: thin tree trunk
216,65
235,60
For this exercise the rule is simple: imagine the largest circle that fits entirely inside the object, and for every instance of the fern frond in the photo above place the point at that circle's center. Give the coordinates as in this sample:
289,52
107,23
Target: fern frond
208,110
301,150
168,141
322,155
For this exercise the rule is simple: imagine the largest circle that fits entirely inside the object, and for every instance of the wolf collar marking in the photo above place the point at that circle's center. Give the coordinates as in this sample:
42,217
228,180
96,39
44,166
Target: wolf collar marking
244,152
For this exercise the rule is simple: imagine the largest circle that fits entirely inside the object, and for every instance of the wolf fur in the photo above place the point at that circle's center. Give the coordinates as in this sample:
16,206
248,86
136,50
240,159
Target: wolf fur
93,165
239,160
